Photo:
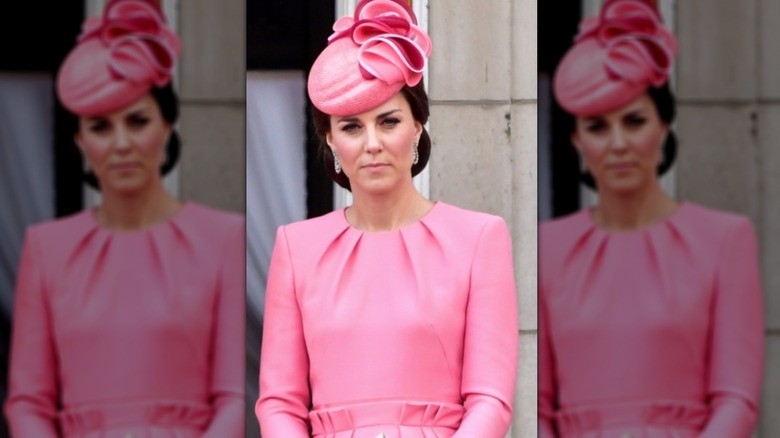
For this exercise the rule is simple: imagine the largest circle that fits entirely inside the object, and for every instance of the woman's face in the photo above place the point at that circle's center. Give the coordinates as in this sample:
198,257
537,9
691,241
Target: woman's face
125,148
622,149
376,148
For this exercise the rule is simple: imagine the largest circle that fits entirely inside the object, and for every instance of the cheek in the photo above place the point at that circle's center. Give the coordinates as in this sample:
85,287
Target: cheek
592,149
347,148
94,149
649,145
152,142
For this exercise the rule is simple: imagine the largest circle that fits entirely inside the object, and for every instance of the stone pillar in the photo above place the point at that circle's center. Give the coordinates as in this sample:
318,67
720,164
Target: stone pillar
483,127
212,124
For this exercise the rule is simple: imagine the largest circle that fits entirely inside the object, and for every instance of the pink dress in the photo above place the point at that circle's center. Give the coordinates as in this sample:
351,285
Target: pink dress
130,334
411,333
652,333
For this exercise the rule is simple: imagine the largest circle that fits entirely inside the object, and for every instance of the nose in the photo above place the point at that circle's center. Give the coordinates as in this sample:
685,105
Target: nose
618,139
122,139
373,142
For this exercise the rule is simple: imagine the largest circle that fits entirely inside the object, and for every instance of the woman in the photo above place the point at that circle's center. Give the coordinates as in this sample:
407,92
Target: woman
128,318
650,308
396,316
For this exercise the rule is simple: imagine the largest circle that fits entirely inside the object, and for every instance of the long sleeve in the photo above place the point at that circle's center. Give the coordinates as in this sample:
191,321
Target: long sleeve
491,337
31,407
282,408
228,356
547,389
737,339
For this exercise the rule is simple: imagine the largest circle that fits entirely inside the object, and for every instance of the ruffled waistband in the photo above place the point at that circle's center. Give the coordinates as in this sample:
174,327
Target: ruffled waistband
401,413
573,422
80,421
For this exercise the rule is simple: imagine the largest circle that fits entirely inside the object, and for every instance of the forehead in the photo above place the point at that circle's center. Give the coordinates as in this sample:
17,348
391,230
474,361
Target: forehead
145,103
397,102
641,104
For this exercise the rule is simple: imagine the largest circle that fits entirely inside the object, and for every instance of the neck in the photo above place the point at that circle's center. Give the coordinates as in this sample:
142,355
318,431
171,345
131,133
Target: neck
137,211
634,211
390,211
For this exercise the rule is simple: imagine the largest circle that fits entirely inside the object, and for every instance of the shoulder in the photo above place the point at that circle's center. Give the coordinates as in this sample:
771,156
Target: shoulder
464,223
558,239
64,229
209,225
713,218
711,225
564,229
211,217
315,232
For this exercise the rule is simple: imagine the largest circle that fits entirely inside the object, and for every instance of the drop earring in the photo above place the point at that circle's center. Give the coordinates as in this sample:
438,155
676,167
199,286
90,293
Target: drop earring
416,156
336,162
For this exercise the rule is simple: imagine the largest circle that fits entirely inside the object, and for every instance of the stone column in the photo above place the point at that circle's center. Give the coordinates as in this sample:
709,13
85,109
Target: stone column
213,69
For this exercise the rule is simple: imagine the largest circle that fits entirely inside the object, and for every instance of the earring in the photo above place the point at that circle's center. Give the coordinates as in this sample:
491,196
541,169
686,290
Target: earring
416,158
336,162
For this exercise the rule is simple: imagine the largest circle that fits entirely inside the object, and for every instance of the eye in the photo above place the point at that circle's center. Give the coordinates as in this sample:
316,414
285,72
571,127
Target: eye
390,122
635,121
138,121
595,126
350,127
98,126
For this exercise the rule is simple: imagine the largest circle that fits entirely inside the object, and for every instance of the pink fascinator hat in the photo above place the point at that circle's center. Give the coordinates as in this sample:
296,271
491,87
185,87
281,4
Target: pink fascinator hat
369,58
119,57
615,58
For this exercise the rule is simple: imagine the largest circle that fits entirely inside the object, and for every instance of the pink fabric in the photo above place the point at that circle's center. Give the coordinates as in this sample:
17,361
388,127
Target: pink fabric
137,331
410,332
656,332
370,57
616,57
121,55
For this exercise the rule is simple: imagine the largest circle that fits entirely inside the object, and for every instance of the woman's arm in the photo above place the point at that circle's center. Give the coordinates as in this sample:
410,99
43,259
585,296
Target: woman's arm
228,349
31,407
282,408
491,338
736,348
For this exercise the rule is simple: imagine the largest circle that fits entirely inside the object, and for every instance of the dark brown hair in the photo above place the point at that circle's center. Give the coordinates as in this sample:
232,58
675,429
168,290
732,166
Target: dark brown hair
418,103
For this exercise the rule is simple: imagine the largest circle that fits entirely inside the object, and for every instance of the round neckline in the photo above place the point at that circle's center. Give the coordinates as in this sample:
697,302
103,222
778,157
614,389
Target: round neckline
157,225
588,213
410,225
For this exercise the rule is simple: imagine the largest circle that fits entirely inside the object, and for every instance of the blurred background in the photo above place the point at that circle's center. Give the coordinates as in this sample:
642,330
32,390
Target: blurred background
727,83
40,170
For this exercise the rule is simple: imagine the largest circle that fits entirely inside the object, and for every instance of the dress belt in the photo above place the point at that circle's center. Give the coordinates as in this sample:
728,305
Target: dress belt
682,414
404,413
183,414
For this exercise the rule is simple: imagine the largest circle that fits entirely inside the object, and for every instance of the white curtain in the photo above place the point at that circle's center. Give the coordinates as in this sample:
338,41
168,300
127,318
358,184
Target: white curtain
275,190
26,167
26,183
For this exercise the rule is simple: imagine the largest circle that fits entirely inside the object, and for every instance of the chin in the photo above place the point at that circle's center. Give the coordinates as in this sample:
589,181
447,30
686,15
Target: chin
623,186
125,186
378,187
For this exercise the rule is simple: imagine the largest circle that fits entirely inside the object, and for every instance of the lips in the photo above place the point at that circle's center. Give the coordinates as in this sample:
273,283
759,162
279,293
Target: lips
375,165
621,166
124,166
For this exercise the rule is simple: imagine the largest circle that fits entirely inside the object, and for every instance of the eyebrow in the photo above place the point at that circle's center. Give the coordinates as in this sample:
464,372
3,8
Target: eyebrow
380,116
135,113
139,111
631,113
634,113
